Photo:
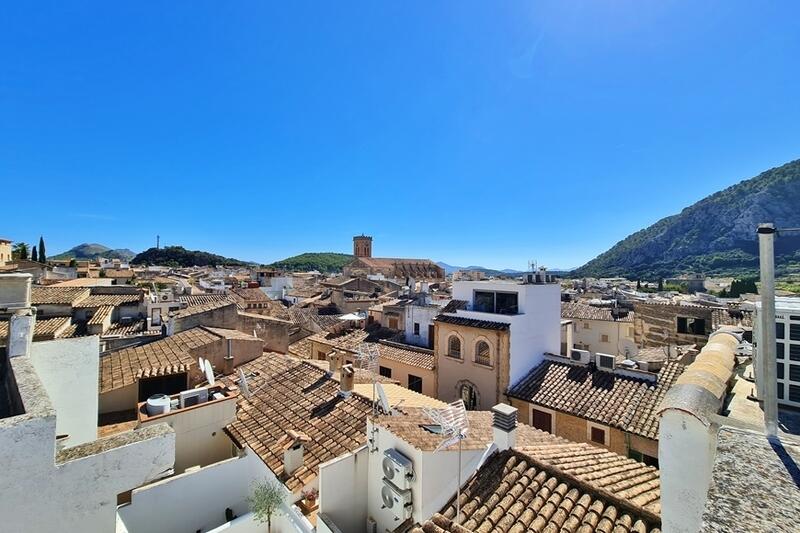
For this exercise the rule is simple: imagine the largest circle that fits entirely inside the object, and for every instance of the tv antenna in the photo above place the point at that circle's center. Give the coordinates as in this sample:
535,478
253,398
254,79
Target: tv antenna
531,265
367,359
454,424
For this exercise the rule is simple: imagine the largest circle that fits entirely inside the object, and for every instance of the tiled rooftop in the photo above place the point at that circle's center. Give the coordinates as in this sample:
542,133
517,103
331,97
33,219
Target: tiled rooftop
288,394
102,312
615,400
580,311
472,322
203,307
114,300
44,328
169,355
58,295
514,492
350,341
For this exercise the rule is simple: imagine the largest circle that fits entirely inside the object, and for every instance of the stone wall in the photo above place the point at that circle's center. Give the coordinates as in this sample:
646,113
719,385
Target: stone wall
657,324
273,331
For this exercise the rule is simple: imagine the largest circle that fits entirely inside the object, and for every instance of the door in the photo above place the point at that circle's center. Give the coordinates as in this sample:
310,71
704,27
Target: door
431,329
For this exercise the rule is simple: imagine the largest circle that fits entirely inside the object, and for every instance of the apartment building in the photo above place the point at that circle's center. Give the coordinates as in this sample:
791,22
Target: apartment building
787,348
501,330
600,329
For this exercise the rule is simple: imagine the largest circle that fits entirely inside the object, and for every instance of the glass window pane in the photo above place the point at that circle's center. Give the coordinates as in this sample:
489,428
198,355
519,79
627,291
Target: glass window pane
507,303
779,350
484,301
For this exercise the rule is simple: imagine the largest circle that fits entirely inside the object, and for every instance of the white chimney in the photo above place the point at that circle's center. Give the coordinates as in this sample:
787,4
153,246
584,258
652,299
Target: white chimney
15,297
293,450
504,426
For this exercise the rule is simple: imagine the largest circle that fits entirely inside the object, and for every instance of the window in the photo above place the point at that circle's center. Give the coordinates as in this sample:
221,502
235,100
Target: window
780,331
482,353
794,373
504,303
416,328
392,323
542,420
794,393
415,383
585,325
598,435
794,352
794,332
691,326
780,391
454,347
385,371
469,396
779,350
603,338
643,458
779,370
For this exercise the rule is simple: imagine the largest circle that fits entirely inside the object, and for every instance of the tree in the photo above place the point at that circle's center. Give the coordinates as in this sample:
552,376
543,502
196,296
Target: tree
638,284
42,254
660,284
34,255
72,263
20,251
265,501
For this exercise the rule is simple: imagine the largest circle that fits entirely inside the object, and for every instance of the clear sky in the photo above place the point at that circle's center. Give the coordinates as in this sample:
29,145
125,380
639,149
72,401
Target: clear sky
482,133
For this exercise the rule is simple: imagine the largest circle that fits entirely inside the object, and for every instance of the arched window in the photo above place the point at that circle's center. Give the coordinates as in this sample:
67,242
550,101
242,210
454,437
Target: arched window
468,393
454,347
483,353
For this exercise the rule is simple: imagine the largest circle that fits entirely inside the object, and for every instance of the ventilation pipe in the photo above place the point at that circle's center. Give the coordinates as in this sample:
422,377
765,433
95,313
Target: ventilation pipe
766,346
346,378
228,366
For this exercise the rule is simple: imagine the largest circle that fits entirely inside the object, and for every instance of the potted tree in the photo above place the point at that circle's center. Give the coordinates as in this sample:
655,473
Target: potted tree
265,501
310,496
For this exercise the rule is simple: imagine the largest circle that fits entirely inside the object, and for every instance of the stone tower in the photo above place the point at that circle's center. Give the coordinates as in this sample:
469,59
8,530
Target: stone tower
362,246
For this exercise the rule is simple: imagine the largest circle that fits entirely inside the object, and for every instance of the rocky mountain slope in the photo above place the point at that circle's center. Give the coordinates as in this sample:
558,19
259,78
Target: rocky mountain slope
715,236
93,251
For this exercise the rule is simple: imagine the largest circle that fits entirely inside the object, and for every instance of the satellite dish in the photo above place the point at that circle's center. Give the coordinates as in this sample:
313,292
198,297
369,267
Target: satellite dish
201,364
382,399
387,497
243,384
209,373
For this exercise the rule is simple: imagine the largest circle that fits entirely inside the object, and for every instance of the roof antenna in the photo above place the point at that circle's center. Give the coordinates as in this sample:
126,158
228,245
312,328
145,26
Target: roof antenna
455,425
367,359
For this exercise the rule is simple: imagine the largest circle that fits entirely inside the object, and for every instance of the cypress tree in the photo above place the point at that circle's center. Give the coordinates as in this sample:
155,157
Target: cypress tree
42,255
660,284
34,255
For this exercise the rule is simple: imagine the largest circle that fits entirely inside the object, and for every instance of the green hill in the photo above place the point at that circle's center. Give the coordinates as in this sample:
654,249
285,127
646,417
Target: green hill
323,262
715,236
178,256
93,251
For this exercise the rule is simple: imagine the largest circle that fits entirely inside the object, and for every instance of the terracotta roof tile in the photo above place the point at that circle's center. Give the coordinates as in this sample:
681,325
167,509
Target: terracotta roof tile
472,322
287,394
618,401
579,311
516,492
114,300
58,295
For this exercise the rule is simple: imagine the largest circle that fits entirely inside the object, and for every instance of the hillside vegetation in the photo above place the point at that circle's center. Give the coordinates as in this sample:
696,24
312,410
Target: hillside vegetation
178,256
715,236
323,262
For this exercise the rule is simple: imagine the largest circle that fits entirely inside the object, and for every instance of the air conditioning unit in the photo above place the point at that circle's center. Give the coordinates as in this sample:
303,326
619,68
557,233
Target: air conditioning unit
397,501
372,525
398,469
193,397
580,356
605,361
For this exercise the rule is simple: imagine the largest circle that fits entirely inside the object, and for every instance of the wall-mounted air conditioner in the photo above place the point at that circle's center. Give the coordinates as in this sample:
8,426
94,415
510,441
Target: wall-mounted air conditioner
580,356
397,501
398,469
605,361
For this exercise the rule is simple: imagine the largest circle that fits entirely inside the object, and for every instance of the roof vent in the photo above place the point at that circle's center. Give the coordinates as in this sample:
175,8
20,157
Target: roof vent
293,444
346,377
504,426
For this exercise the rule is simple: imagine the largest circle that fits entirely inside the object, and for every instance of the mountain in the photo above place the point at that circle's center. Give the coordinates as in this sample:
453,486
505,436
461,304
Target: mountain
93,251
178,256
715,236
323,262
449,269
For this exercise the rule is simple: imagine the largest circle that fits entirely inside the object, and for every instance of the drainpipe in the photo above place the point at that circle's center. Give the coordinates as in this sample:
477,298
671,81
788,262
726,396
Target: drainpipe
766,348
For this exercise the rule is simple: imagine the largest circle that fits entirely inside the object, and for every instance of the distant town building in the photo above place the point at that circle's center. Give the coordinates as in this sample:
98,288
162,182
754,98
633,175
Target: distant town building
394,268
787,348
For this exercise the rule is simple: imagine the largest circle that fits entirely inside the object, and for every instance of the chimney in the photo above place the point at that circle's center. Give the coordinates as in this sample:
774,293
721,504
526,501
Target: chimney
293,444
504,426
346,380
227,367
334,361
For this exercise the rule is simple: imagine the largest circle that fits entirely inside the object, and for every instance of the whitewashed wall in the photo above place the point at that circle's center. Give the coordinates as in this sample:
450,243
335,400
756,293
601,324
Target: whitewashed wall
343,490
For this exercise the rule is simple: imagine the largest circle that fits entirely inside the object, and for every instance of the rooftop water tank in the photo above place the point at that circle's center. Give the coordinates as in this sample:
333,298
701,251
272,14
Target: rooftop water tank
158,404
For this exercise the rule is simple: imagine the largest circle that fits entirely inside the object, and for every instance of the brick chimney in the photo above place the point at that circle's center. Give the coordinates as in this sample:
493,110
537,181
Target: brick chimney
504,426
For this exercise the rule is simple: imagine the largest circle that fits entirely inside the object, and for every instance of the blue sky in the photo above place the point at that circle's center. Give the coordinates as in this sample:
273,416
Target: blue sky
469,132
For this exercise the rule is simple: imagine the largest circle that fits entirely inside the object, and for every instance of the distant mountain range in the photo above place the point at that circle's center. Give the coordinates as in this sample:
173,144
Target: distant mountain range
449,269
715,236
93,251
